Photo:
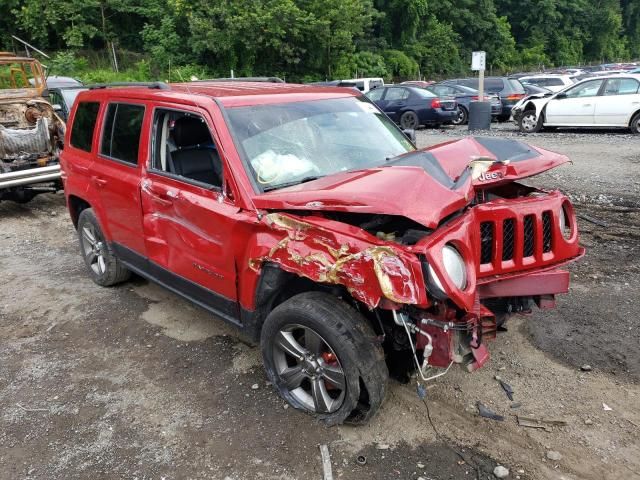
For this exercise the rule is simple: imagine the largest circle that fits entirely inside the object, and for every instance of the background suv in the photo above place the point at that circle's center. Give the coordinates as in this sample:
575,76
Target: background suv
509,90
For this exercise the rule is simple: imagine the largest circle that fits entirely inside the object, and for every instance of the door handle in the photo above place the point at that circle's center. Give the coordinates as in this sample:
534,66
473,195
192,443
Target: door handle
100,182
172,194
159,197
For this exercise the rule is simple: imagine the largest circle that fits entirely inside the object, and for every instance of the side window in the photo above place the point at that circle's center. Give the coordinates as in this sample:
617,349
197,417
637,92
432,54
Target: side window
586,89
121,132
621,86
84,124
394,94
554,82
183,146
375,94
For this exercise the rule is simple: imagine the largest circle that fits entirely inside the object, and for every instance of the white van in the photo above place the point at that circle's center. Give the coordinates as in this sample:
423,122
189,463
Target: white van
366,84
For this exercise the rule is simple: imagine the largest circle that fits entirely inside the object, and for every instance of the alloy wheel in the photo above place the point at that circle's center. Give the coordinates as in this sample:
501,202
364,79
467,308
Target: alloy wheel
93,247
309,369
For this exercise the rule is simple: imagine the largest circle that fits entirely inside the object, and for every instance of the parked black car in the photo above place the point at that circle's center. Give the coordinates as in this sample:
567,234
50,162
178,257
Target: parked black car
62,99
411,107
510,91
463,97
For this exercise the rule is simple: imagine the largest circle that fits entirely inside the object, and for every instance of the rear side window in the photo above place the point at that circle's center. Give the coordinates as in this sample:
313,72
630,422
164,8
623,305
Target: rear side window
495,84
554,82
83,125
121,133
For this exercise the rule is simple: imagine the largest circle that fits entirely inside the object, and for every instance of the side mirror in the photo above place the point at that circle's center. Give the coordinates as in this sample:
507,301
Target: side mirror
410,133
561,95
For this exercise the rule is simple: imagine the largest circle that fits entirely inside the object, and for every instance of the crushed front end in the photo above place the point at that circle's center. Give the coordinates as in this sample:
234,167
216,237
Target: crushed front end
501,257
31,132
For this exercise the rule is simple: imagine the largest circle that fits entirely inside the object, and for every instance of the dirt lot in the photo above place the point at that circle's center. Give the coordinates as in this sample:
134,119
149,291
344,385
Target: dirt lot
133,382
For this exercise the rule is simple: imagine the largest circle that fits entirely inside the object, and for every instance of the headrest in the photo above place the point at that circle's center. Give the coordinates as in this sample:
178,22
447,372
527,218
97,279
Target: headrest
189,131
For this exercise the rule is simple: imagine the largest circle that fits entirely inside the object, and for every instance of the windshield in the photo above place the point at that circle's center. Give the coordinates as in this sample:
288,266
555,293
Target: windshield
290,143
70,95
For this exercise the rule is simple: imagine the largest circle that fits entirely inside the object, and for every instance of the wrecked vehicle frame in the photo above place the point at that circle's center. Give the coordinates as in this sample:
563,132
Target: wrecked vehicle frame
327,236
31,132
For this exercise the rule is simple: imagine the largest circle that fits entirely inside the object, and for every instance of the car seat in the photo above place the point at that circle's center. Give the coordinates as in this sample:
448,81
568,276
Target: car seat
196,156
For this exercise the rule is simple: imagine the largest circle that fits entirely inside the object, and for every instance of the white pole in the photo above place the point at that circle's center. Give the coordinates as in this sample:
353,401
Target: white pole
481,84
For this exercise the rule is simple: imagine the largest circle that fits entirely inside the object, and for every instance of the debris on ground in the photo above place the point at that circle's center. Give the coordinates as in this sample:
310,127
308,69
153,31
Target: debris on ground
586,368
553,455
535,422
606,407
507,389
501,472
327,474
486,413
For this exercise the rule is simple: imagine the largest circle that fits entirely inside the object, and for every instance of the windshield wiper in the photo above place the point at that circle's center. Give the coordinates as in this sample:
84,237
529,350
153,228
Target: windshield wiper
291,184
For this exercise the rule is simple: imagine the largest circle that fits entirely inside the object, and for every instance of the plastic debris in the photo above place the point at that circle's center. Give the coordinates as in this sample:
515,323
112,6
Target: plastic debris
507,389
486,413
327,474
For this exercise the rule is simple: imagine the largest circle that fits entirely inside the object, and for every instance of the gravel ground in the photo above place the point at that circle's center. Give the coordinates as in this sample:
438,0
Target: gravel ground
134,382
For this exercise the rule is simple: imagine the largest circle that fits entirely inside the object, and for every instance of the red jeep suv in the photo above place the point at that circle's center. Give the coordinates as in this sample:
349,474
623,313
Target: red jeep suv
306,218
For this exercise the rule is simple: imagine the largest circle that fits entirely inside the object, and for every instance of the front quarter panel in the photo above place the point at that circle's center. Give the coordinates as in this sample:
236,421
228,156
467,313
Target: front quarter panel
333,253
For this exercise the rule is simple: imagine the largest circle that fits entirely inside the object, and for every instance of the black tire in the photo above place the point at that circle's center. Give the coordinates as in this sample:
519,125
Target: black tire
634,125
503,118
102,264
346,335
463,117
409,120
529,122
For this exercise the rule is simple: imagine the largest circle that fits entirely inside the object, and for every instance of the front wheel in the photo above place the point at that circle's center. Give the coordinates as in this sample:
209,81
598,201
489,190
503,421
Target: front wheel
322,357
529,122
634,126
462,117
409,121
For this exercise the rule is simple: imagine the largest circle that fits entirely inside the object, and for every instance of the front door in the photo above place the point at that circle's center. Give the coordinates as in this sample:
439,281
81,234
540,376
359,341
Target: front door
576,106
396,101
116,174
188,222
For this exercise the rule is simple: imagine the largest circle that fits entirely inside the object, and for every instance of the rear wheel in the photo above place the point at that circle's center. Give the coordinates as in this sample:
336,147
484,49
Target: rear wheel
409,121
322,357
530,122
462,117
634,126
103,266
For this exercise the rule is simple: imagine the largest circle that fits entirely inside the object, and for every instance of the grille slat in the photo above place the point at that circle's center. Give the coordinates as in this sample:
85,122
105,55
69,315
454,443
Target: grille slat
529,234
508,238
547,231
486,242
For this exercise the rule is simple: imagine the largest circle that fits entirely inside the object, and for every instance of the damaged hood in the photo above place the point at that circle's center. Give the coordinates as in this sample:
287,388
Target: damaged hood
424,186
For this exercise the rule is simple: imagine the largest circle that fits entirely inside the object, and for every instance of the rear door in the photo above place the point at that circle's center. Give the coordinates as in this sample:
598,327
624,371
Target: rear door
577,108
188,221
620,98
396,101
116,174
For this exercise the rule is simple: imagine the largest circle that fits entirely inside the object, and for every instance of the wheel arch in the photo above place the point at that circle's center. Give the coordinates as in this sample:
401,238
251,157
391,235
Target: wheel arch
76,205
632,116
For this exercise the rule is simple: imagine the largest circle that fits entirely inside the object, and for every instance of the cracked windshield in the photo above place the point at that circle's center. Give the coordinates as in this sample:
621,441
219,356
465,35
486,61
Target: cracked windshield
291,143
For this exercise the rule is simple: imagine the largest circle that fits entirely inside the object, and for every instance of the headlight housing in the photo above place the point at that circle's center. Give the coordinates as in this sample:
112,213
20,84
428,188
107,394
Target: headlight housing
454,267
564,223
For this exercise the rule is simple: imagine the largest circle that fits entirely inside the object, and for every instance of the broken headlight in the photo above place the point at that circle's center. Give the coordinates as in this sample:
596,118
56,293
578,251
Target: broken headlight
455,268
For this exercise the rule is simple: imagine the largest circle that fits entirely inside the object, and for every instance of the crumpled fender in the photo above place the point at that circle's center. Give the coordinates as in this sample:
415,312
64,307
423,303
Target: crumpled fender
331,252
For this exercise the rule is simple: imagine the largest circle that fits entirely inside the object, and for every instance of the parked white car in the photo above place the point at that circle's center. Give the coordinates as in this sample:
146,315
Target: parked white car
552,82
366,84
611,101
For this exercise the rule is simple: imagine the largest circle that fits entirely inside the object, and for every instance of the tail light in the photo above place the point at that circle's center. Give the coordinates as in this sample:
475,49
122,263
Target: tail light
475,98
435,103
516,96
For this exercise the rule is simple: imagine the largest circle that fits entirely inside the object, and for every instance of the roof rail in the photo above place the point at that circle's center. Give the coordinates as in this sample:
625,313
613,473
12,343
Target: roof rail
156,85
243,79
